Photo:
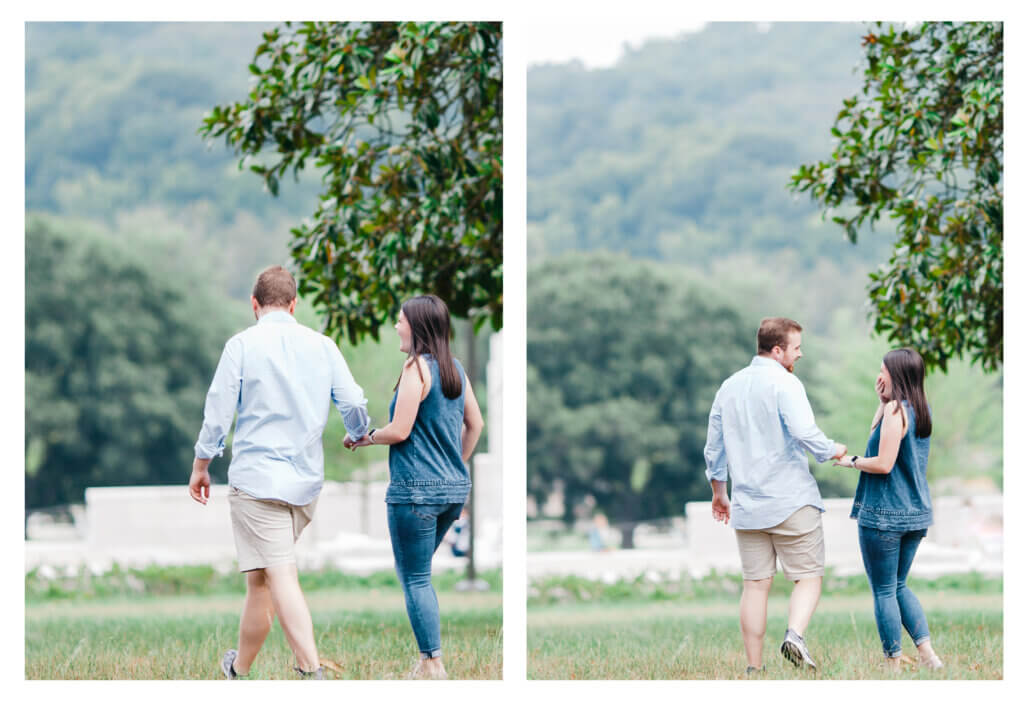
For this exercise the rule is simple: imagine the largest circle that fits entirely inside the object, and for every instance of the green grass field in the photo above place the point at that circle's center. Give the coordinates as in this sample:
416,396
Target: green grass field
701,639
183,636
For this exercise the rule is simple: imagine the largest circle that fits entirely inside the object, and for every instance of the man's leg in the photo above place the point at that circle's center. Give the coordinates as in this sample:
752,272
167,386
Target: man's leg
257,617
754,617
293,613
803,601
800,544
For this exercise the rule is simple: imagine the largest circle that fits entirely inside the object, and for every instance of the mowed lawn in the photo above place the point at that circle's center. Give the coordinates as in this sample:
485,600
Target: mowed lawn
701,640
367,634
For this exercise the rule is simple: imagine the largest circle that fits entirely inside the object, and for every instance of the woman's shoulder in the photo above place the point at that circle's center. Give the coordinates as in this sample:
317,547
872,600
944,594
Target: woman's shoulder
422,360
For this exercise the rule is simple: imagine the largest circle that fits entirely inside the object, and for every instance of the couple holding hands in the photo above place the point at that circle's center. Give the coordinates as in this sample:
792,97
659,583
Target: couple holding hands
759,427
281,378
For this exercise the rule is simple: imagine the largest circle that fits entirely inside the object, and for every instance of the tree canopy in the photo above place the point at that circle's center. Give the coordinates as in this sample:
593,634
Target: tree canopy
923,144
404,123
118,357
623,361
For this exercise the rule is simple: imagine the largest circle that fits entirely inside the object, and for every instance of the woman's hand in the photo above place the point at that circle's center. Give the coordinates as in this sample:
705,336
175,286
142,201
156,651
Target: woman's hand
845,461
880,389
352,445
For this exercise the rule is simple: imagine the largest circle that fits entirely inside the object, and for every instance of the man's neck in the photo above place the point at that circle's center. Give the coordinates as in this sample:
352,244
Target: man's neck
270,310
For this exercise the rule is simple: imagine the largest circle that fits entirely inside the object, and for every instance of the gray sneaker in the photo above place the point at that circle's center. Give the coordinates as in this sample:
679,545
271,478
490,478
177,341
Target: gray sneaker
317,673
754,671
795,650
227,664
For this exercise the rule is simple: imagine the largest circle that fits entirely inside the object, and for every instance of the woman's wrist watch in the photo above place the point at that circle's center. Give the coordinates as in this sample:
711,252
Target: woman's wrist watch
853,460
370,435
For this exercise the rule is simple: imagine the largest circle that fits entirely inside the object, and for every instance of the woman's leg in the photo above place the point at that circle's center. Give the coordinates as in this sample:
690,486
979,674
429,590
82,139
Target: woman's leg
880,551
413,528
911,610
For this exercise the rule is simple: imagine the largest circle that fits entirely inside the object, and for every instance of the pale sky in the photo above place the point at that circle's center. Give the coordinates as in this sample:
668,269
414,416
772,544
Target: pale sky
597,43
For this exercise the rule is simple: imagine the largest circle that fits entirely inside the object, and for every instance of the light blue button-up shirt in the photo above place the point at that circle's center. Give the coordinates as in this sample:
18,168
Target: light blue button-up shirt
281,378
759,427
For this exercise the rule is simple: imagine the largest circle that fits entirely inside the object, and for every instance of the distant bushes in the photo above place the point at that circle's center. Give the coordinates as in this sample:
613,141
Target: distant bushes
47,584
654,586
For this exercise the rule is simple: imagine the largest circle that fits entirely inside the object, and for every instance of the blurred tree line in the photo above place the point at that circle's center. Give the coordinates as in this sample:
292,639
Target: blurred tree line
677,159
141,248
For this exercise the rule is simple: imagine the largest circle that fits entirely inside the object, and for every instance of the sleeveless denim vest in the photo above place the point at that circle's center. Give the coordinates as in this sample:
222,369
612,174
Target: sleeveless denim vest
900,500
427,467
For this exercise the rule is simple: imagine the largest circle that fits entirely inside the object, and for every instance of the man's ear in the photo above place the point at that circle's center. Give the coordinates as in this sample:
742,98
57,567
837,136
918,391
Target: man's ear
291,307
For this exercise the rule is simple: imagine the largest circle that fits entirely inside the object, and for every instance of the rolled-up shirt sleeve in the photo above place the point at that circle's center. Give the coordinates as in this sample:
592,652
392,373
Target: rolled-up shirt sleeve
799,420
714,449
221,402
348,396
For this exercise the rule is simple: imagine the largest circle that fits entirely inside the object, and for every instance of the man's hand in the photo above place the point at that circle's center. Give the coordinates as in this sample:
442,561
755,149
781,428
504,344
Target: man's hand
199,484
362,442
840,451
720,509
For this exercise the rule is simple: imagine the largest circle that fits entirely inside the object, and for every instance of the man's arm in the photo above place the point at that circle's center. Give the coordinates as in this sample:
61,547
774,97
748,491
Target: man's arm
714,448
799,420
348,396
221,402
218,413
717,463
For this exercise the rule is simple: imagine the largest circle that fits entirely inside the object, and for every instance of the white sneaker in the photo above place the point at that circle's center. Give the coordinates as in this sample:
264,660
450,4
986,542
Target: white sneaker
795,650
227,664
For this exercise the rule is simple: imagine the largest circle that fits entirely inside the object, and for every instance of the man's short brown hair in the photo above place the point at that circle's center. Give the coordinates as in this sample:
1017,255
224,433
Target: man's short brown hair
774,331
275,287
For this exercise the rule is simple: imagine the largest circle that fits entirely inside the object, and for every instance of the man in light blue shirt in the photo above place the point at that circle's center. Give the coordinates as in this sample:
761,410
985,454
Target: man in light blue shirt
759,427
281,378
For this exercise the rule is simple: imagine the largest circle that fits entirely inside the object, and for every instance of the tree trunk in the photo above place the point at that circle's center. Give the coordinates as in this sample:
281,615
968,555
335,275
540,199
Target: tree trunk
626,529
471,372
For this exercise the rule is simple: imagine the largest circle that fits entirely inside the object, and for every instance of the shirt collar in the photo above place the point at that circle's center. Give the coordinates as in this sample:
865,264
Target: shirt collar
766,362
277,316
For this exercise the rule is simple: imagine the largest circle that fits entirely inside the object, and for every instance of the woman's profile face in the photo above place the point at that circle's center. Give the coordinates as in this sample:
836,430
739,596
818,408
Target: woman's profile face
886,383
404,333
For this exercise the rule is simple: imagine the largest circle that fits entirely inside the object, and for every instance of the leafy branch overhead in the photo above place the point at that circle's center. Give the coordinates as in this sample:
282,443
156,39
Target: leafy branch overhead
923,144
404,123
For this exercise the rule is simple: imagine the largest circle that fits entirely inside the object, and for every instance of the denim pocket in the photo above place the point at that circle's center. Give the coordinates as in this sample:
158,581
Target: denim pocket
891,537
429,512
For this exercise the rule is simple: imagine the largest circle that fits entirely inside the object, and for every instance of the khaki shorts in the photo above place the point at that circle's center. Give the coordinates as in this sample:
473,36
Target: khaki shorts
799,543
266,529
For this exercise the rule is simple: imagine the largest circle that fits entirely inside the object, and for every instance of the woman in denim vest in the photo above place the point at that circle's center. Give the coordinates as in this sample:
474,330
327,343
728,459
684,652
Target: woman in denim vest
435,424
892,505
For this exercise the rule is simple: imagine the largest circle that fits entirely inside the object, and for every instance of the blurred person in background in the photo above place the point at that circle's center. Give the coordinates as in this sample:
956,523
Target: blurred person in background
435,423
892,505
758,429
281,378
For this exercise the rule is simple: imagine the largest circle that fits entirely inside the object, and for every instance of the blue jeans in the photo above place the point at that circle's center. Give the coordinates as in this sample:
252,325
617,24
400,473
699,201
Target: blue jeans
887,557
416,532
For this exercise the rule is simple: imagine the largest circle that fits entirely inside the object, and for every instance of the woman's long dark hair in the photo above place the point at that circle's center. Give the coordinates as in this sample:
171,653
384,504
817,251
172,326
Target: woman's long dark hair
430,325
906,368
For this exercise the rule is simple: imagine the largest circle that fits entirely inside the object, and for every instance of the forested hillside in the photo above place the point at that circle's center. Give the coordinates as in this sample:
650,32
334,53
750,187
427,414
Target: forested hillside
682,150
111,113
